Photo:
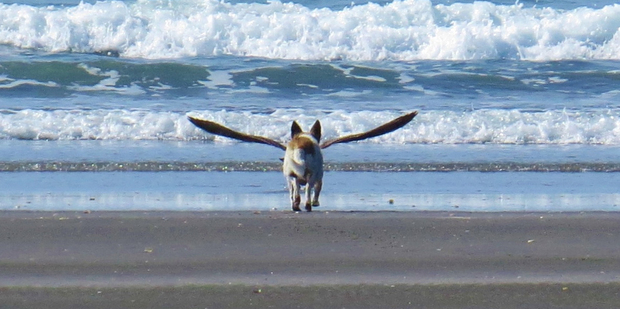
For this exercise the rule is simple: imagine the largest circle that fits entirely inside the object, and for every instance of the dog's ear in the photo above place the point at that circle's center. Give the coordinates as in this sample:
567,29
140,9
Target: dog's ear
295,129
316,130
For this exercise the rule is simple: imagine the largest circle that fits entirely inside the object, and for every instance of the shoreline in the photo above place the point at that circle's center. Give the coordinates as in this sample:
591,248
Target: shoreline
62,259
344,191
286,213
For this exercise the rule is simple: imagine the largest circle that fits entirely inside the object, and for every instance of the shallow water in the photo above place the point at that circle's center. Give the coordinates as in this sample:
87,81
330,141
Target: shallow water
343,191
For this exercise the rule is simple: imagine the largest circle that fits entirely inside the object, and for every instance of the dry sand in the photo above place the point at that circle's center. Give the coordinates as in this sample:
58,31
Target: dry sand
310,260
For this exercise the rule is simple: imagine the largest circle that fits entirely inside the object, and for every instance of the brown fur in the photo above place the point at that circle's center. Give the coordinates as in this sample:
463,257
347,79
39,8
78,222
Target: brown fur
302,142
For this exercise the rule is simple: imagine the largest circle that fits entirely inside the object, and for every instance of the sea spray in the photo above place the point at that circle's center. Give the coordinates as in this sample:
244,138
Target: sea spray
399,31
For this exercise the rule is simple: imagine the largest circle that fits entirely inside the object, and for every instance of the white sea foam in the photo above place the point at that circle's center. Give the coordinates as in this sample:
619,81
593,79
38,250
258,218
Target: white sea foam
401,30
8,83
441,127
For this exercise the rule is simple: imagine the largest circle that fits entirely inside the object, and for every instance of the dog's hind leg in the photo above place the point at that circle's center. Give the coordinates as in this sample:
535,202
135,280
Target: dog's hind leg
293,185
309,188
317,190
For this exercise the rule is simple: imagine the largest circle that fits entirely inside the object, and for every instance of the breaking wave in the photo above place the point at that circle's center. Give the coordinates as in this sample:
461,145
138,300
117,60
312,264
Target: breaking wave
434,127
400,31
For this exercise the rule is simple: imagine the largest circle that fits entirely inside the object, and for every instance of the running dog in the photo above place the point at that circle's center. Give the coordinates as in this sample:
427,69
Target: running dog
303,160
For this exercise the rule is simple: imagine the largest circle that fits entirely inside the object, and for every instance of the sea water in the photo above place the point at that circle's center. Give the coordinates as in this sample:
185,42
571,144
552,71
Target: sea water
518,103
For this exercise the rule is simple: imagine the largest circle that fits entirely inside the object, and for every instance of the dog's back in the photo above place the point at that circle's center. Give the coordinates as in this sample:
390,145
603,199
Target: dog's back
303,159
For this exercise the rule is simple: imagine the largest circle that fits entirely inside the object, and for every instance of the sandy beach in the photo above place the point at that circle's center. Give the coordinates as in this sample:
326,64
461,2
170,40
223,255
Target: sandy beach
311,260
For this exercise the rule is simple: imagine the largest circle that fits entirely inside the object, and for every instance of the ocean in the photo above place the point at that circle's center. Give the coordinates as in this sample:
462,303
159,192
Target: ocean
518,103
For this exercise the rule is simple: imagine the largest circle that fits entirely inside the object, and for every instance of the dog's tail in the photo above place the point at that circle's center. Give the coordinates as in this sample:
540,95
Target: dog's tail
298,162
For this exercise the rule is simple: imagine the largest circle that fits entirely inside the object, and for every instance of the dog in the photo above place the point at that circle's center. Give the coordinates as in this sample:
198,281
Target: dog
303,159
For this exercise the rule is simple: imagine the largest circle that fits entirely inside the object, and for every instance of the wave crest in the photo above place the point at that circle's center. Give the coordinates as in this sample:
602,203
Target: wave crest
437,127
400,31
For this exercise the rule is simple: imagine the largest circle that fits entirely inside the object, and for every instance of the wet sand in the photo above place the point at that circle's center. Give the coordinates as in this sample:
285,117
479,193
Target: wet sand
314,260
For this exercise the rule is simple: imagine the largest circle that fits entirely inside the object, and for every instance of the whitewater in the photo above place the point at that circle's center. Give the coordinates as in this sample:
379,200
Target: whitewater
397,31
485,126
